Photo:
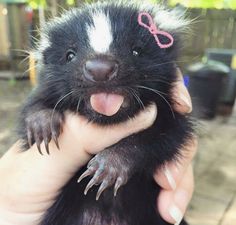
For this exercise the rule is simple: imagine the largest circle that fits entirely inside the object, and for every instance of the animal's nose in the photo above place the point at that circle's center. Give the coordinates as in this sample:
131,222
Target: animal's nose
99,70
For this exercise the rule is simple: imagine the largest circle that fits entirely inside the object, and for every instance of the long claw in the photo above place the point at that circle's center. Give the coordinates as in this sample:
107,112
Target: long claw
47,139
87,173
118,184
105,173
91,162
102,187
54,137
46,147
39,147
95,180
91,183
38,139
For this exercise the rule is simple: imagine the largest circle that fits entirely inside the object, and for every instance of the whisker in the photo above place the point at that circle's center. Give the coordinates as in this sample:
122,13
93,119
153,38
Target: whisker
151,89
158,93
22,55
169,62
137,98
21,50
35,39
159,64
24,60
154,80
30,68
58,102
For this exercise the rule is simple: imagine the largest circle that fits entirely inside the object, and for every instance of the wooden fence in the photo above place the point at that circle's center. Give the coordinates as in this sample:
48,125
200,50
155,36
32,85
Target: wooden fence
14,35
211,29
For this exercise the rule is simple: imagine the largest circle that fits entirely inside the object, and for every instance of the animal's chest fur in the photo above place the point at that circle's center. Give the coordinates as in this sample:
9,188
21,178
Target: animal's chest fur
135,203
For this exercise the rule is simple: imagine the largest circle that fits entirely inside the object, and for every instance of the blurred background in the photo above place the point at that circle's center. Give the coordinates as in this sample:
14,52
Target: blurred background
209,66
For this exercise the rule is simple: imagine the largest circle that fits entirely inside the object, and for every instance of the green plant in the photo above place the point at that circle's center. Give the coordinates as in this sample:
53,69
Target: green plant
219,4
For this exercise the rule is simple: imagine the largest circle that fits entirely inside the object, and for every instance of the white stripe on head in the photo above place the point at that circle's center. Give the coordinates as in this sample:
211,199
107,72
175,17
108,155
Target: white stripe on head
100,34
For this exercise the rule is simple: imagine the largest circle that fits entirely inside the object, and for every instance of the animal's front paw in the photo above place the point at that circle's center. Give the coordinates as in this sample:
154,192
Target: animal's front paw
107,169
42,126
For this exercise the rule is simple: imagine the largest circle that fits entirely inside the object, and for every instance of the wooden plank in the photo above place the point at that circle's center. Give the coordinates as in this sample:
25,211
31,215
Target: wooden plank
213,29
4,43
204,211
18,35
229,33
18,28
195,42
234,36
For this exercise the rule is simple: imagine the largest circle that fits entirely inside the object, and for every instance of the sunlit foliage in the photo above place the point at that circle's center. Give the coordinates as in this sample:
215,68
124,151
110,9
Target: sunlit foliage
219,4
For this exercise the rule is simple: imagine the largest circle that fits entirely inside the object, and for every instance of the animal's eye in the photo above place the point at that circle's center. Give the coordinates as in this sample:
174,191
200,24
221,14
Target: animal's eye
136,51
70,55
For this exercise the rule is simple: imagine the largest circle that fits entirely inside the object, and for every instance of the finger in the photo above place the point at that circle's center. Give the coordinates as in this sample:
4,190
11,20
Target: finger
142,121
181,97
171,174
173,204
107,135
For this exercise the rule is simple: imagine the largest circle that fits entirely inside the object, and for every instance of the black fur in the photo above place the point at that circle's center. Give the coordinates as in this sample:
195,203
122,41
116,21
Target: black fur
148,77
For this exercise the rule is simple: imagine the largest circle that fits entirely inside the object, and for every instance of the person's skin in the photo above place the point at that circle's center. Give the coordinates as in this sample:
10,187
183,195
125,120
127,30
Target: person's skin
177,178
31,182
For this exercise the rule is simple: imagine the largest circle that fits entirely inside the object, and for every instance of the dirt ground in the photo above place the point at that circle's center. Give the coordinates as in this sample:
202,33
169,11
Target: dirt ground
214,200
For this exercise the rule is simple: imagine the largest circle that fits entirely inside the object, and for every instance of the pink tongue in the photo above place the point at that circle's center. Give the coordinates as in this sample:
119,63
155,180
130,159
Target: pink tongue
106,104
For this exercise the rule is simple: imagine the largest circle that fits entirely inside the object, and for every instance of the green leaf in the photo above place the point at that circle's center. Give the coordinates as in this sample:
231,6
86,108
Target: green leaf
219,4
36,3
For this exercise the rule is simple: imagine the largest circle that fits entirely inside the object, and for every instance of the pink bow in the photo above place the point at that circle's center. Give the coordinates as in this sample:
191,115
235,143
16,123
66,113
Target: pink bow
153,30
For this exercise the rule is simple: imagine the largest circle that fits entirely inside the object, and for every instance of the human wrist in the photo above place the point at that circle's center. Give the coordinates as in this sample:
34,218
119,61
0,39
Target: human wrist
28,191
16,218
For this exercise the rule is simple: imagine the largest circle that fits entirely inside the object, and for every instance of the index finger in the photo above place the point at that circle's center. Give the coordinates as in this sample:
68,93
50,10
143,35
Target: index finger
170,176
90,133
181,97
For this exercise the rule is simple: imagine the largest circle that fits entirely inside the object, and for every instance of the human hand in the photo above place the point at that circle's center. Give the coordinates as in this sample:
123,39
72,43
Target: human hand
26,192
31,182
176,179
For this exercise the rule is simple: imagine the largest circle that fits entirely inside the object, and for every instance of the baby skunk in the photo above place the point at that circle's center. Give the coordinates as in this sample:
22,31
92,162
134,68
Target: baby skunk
108,61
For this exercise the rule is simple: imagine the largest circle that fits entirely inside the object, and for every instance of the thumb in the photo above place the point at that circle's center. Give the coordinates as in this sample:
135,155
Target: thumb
94,138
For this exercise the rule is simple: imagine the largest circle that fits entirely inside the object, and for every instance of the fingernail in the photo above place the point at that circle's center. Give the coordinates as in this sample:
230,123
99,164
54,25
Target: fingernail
186,101
170,178
176,214
182,197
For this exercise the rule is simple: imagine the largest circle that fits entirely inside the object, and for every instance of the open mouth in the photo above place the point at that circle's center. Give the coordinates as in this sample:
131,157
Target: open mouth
107,104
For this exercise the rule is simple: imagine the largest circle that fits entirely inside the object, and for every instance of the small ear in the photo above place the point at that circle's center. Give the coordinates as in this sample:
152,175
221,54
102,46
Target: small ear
172,20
